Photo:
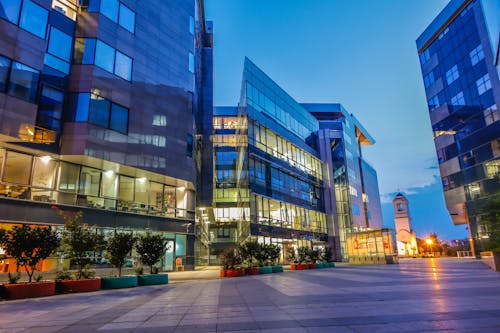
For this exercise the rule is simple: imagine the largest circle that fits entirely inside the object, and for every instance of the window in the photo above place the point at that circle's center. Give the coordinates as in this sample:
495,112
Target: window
34,18
424,56
191,62
99,111
17,169
452,74
23,82
127,18
442,34
105,55
119,118
433,103
483,84
458,99
81,106
9,10
109,8
59,51
476,55
109,184
89,181
44,172
4,72
191,25
84,51
126,188
123,66
189,145
50,107
429,79
68,177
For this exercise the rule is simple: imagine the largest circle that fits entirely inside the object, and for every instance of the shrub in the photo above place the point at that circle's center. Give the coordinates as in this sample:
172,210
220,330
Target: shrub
303,254
326,254
64,275
230,258
150,249
292,255
314,256
38,278
274,252
13,278
29,246
119,246
248,251
139,271
87,272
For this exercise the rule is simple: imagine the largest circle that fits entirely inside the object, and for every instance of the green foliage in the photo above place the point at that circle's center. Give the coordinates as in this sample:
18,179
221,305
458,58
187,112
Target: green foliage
119,246
490,217
38,278
87,272
150,249
64,275
29,246
303,254
13,278
274,252
248,251
326,254
230,258
292,255
314,256
139,271
267,254
79,240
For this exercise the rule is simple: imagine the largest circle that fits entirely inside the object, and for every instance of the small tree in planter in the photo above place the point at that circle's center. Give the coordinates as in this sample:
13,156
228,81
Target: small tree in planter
293,258
29,246
274,252
79,240
150,249
229,259
119,246
248,251
327,255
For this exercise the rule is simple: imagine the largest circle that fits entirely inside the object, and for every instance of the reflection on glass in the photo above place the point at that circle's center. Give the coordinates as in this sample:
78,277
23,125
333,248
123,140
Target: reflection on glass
109,8
104,56
17,168
44,172
68,176
89,181
123,66
9,10
127,18
34,18
126,188
141,192
4,72
23,82
109,186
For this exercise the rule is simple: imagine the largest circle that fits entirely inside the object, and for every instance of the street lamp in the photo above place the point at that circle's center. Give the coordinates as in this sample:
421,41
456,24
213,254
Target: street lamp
429,243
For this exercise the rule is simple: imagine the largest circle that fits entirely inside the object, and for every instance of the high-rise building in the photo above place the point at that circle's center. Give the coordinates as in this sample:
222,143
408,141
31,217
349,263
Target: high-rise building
99,106
288,173
459,57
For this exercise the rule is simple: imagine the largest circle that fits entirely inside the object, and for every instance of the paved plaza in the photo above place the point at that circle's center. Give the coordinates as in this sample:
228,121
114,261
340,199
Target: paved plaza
418,295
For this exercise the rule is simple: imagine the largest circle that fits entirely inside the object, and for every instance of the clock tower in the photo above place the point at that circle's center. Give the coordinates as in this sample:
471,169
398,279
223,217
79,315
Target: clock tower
405,236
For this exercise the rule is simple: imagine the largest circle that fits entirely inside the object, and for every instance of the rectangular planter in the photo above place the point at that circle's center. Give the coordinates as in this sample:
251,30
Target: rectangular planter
277,269
491,259
119,282
320,265
78,286
265,270
28,290
331,264
152,279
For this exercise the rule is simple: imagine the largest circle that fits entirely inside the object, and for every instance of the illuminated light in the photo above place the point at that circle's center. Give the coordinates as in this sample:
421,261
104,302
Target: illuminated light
2,251
142,179
109,173
181,188
45,159
428,241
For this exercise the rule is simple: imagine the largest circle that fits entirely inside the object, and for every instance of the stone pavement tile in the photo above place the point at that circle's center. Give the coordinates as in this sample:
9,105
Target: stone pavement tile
241,313
196,328
277,324
331,329
380,328
13,330
187,320
239,319
238,326
163,320
120,326
285,330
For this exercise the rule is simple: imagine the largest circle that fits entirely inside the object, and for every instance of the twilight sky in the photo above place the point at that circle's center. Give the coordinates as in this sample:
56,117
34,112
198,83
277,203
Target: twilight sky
360,53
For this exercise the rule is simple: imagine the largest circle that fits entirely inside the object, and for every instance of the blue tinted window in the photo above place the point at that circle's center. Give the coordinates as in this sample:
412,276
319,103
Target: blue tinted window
109,8
9,10
191,25
104,56
56,63
123,66
34,18
23,82
99,111
4,72
59,44
127,18
50,108
81,104
191,62
119,118
84,51
189,146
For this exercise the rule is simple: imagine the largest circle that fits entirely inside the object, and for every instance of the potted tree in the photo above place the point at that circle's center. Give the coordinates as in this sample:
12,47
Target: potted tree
78,242
302,257
150,249
29,246
327,256
119,246
313,257
247,252
293,258
274,252
262,256
229,258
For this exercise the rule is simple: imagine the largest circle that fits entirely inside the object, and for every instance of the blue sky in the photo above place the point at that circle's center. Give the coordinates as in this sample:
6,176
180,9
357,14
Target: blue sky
360,53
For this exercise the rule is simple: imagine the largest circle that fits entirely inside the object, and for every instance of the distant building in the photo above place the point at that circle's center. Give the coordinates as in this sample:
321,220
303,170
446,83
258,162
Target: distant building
459,57
405,235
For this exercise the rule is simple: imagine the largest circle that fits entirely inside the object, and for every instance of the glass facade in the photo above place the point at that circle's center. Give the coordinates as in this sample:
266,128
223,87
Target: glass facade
463,109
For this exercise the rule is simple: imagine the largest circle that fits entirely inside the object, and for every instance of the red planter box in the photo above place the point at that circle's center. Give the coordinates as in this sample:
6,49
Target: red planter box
223,272
253,271
241,272
294,267
28,290
78,286
301,267
311,266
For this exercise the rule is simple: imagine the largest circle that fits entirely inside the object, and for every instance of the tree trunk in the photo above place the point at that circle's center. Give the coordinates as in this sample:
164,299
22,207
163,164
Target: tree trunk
30,275
151,269
119,270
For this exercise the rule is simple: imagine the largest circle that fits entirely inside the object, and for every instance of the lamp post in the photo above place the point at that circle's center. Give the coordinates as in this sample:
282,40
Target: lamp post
429,243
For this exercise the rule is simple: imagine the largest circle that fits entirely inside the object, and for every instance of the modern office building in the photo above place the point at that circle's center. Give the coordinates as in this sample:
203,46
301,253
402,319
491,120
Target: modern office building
99,106
459,57
288,173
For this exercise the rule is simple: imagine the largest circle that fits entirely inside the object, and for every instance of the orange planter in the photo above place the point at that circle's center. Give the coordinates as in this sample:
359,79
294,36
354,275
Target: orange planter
294,267
301,267
223,272
78,286
28,290
232,273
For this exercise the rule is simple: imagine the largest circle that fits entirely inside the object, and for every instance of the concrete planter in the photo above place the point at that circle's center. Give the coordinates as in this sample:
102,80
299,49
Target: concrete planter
331,264
320,265
301,267
152,279
28,290
312,266
491,259
119,282
253,271
78,286
277,269
294,267
266,270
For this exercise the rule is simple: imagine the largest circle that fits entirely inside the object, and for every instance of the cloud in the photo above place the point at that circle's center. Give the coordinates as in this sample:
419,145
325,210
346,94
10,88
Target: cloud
410,190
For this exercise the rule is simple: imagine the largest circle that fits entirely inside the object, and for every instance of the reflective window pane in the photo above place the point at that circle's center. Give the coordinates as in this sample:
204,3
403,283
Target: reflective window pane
127,18
141,192
59,44
44,172
191,62
50,108
34,18
4,72
123,66
9,10
104,56
17,169
126,188
89,181
84,51
109,8
109,186
99,111
119,118
23,82
68,177
81,104
56,63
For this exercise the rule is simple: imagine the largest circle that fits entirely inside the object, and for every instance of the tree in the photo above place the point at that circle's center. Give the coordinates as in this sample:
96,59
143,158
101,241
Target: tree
248,251
274,252
119,246
78,239
29,246
326,254
150,249
490,217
